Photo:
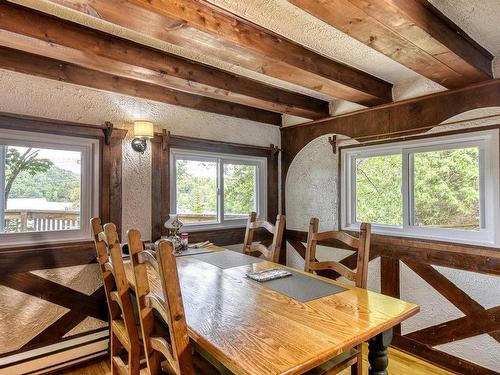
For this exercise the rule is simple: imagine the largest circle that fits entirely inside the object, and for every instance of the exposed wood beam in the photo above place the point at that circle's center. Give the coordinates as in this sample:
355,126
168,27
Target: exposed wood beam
41,34
411,32
199,25
41,66
415,115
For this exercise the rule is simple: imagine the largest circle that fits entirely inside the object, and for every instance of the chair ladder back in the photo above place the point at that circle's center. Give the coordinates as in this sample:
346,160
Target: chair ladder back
142,290
175,307
361,244
247,243
122,294
363,255
122,318
178,351
272,253
103,259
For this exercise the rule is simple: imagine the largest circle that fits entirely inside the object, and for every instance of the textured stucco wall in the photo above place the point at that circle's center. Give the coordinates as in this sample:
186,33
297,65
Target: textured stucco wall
35,96
311,190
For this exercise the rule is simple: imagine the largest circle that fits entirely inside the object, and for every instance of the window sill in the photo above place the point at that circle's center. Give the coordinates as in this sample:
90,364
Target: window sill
455,237
24,242
208,227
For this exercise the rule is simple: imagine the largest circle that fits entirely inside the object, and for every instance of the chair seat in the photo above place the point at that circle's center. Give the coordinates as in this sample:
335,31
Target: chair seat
336,364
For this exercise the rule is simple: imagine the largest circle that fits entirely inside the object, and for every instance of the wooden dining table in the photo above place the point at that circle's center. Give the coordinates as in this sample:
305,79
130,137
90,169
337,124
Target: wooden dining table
251,329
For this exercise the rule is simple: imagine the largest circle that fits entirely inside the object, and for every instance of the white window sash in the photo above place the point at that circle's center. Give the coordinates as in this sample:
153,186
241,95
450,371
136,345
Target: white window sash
89,184
221,159
488,143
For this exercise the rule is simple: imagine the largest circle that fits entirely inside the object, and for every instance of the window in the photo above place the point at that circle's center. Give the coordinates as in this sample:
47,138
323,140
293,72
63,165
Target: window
445,187
47,187
210,189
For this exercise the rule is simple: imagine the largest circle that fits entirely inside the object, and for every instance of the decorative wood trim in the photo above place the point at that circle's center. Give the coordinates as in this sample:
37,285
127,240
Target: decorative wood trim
160,186
58,294
56,331
419,255
439,358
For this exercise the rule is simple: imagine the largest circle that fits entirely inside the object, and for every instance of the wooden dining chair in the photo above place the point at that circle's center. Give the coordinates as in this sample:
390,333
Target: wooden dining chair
353,357
271,253
163,322
123,329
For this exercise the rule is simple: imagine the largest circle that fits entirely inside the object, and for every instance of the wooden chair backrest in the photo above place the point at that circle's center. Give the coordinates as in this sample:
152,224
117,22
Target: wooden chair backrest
272,252
115,280
172,345
362,244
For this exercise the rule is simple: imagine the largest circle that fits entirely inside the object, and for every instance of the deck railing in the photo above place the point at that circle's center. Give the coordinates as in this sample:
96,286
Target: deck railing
40,220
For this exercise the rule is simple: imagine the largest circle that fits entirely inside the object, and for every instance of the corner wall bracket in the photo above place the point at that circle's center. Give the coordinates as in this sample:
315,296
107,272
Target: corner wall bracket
333,142
108,131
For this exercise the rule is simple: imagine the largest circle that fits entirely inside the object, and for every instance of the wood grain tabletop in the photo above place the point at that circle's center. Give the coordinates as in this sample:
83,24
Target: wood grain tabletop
252,329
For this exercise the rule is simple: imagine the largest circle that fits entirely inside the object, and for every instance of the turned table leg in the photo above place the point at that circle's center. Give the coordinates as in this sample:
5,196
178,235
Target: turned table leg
377,353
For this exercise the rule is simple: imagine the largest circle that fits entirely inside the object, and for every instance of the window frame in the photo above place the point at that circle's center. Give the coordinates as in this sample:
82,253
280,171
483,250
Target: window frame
221,158
89,188
488,143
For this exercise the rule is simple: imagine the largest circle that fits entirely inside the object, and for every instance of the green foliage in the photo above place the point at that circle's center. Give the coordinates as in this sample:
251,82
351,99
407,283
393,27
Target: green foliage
17,163
378,189
56,184
446,189
239,189
197,192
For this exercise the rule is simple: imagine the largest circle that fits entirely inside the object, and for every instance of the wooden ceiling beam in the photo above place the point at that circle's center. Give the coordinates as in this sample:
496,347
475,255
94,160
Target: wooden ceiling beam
31,31
36,65
200,26
411,32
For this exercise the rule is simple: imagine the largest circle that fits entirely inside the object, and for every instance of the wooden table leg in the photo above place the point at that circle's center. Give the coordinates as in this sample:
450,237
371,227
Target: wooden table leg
377,353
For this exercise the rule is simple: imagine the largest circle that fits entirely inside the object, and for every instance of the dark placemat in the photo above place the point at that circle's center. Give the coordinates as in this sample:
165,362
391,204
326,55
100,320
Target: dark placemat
227,259
302,287
193,251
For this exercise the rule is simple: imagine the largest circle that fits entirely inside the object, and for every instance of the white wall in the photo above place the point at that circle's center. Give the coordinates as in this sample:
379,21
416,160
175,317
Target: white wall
33,96
311,190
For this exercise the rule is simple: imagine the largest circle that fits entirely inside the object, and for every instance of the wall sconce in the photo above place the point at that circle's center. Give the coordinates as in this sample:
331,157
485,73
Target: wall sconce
143,130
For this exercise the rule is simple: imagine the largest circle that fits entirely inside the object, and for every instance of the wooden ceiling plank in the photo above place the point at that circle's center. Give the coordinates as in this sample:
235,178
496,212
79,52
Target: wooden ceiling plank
45,67
73,43
203,27
411,32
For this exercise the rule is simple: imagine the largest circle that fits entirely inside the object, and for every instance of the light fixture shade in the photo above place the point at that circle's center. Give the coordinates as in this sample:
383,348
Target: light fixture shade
143,129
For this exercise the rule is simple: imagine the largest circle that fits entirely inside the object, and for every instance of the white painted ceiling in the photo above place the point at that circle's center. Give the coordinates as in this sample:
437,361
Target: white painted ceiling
479,18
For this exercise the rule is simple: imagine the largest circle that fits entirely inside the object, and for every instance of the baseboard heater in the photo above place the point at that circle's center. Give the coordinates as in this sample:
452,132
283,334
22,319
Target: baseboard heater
52,358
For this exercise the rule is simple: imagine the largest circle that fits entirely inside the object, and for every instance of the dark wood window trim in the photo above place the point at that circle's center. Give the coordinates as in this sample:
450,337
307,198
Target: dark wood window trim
17,262
160,184
110,154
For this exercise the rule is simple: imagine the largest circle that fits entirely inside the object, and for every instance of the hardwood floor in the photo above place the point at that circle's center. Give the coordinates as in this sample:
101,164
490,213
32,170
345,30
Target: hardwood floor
399,364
